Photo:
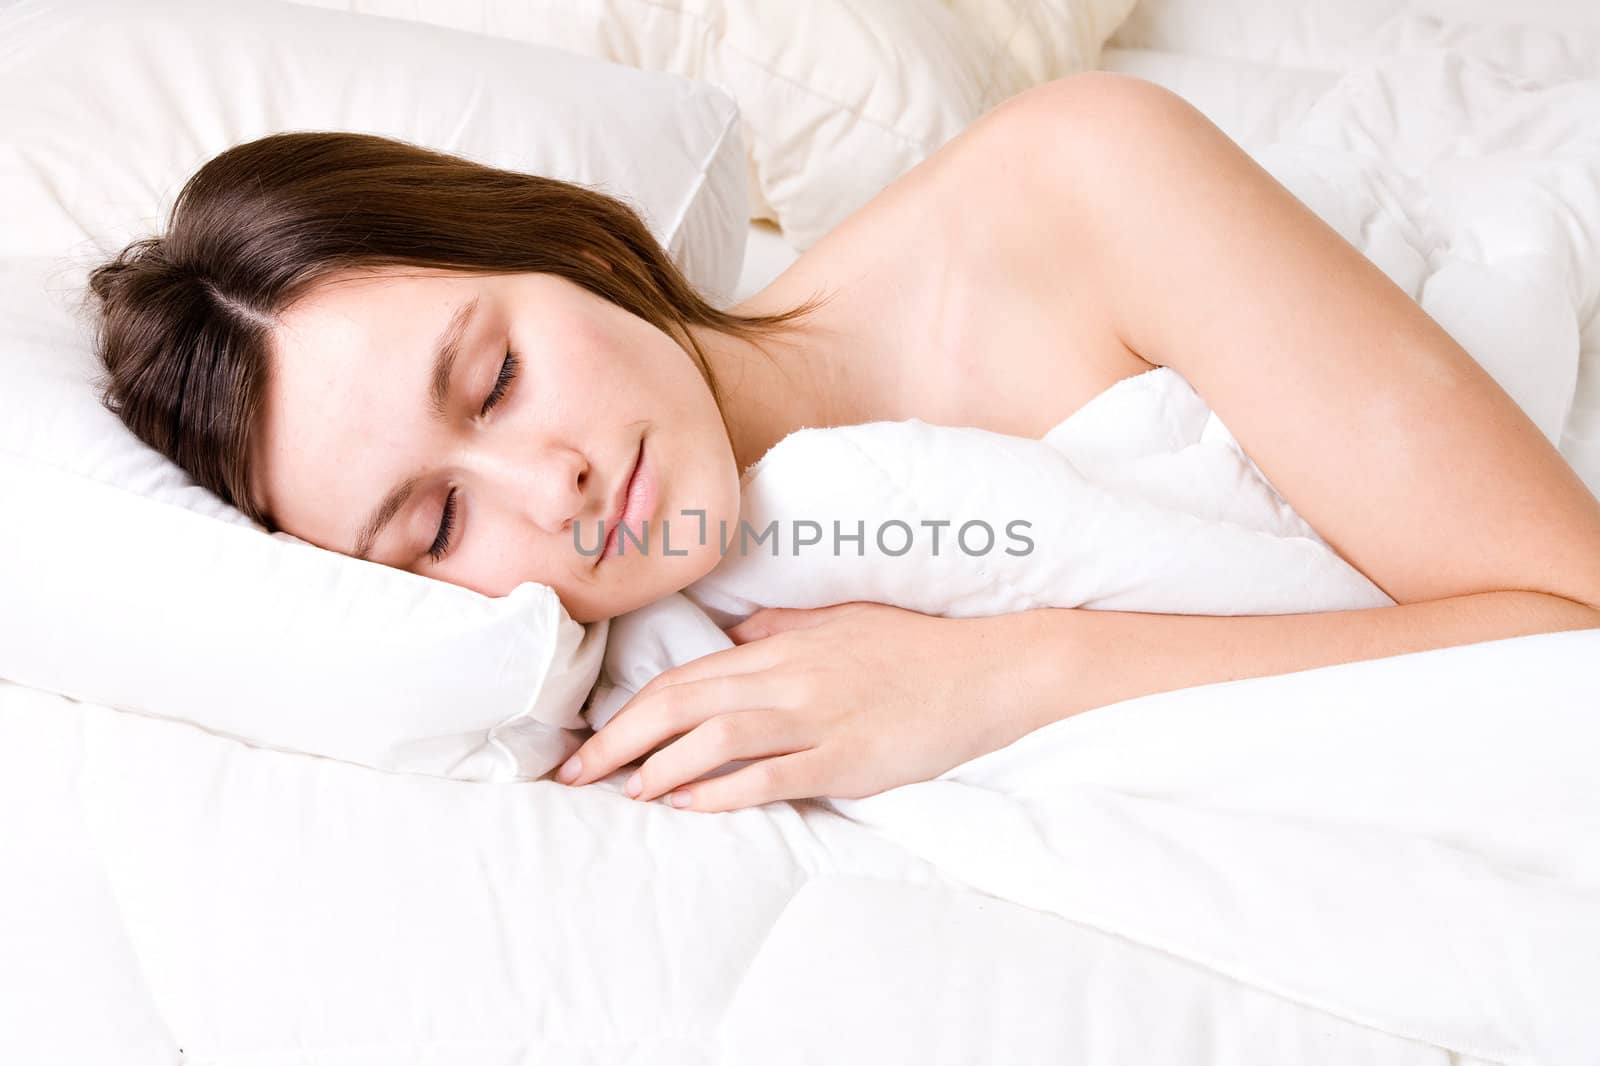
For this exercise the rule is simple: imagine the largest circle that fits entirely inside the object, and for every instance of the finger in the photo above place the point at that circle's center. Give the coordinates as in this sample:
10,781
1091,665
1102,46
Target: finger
715,743
796,776
724,661
719,663
770,621
652,717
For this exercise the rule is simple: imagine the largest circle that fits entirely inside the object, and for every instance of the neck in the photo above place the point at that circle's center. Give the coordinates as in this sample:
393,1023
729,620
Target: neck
795,379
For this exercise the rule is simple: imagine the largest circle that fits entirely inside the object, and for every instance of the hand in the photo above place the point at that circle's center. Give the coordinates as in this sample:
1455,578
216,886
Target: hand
844,701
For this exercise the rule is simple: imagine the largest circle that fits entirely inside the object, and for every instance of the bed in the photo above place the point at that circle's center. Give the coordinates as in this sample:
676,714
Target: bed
174,896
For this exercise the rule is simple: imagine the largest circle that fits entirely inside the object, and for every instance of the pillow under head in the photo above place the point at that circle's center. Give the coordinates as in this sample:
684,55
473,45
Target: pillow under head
128,584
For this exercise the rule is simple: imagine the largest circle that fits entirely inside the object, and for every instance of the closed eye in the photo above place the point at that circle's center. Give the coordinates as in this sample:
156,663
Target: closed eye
508,374
447,519
447,525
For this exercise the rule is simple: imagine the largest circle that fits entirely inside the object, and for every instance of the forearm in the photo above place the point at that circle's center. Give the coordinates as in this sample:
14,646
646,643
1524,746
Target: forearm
1072,660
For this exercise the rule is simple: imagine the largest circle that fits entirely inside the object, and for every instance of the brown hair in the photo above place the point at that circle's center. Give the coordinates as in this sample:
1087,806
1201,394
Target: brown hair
184,319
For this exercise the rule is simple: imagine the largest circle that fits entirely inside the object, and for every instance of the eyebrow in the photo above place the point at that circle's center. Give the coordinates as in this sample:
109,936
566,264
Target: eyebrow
446,350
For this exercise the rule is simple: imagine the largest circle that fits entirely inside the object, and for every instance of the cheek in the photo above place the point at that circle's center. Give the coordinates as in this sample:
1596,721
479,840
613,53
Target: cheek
648,363
502,556
716,493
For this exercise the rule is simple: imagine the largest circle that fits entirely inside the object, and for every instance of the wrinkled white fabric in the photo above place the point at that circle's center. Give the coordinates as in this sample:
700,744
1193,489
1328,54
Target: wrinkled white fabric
1129,504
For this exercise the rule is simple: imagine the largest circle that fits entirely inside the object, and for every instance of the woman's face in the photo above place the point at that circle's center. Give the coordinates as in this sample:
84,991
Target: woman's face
491,472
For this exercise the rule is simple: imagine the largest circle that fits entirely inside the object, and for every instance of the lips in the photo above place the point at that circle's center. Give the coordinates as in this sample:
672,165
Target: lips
619,504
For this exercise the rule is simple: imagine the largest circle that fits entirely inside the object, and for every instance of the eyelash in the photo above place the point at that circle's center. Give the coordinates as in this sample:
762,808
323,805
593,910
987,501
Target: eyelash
447,525
447,522
508,373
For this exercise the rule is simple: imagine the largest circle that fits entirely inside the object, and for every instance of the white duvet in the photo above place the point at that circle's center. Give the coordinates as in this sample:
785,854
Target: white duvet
1412,843
1139,501
1383,862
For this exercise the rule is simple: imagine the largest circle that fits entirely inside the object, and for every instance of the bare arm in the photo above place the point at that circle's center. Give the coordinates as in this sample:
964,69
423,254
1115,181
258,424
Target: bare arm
1119,655
1375,425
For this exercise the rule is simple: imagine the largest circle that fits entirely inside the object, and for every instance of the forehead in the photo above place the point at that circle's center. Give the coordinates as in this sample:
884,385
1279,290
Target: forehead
354,313
346,389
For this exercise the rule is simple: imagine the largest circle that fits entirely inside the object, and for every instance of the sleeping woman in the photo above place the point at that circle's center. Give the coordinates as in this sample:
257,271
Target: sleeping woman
471,373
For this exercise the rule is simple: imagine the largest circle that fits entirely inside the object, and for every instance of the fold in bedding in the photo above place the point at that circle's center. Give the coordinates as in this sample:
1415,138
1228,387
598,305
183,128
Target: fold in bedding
1139,501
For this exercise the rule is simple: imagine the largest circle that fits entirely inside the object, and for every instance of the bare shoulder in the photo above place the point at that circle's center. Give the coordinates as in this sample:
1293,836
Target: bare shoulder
1369,418
967,308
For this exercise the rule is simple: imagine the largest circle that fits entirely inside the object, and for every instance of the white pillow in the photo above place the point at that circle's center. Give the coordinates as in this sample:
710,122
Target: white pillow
108,106
838,97
118,599
140,604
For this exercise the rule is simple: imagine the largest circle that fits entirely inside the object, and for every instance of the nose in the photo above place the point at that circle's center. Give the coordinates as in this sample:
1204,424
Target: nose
547,484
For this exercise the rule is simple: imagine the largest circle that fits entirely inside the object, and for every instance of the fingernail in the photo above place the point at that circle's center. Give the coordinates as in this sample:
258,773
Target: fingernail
634,785
680,799
570,770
